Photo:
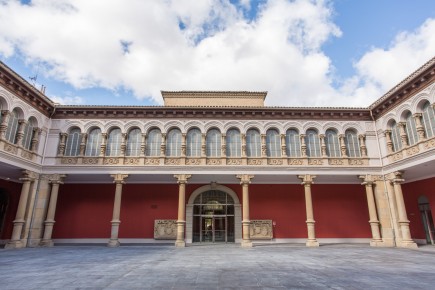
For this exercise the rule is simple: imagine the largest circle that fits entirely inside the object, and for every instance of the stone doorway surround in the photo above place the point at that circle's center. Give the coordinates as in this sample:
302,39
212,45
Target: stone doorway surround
237,210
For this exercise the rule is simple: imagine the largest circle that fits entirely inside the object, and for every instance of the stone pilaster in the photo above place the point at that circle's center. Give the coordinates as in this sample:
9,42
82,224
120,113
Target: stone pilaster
118,179
20,132
243,136
224,145
283,147
163,145
403,135
4,124
307,180
183,144
40,210
389,141
342,146
263,146
374,222
362,145
83,144
62,144
419,126
303,146
55,180
407,241
123,144
323,145
35,140
181,221
103,144
143,145
16,242
245,180
203,145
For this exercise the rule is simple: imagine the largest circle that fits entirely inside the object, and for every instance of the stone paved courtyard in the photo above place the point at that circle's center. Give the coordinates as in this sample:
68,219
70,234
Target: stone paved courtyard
217,267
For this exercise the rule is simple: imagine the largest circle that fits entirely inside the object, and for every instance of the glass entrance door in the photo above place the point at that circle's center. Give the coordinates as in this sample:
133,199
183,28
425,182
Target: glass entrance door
213,229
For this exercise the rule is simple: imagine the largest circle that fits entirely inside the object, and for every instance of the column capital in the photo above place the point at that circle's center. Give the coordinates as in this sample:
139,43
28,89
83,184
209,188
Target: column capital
182,178
245,178
119,178
368,179
56,178
396,177
28,175
307,179
417,115
388,131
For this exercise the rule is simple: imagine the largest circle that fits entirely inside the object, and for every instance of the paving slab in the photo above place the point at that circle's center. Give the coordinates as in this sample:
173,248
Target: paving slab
217,267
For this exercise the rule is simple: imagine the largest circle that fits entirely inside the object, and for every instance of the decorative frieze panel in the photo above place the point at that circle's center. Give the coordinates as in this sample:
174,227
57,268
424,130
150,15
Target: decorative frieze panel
90,160
111,161
412,150
152,161
165,229
261,230
172,161
213,161
255,161
193,161
27,155
69,160
336,161
316,161
131,161
357,161
11,148
429,144
295,162
234,161
274,161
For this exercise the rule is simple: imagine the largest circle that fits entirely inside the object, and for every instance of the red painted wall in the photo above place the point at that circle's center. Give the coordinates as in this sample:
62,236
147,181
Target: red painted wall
340,211
13,190
85,211
411,192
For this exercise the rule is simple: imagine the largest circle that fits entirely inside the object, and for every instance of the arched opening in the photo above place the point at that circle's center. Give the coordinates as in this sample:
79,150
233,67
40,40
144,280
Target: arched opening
213,215
4,201
426,217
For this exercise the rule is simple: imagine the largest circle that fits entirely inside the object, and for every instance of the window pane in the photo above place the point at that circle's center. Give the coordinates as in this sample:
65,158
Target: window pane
154,141
395,136
193,143
93,143
352,144
332,144
28,135
253,143
293,146
273,143
312,142
114,140
411,129
213,143
133,143
173,143
234,143
429,120
73,143
11,132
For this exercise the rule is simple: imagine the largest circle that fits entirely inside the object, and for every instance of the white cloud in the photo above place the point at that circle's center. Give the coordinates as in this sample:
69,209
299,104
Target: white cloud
76,100
201,45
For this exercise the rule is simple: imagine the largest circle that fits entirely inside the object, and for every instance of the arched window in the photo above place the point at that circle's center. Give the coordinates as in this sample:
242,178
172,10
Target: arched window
395,137
273,143
292,143
173,143
134,138
114,140
352,143
12,130
429,120
332,143
312,142
29,133
253,143
411,129
93,143
213,143
193,141
154,142
234,143
73,141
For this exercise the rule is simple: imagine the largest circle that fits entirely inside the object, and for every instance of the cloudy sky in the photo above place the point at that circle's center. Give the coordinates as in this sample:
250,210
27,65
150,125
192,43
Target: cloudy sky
303,52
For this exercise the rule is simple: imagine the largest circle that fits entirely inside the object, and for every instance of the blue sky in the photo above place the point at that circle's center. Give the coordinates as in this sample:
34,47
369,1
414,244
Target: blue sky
304,53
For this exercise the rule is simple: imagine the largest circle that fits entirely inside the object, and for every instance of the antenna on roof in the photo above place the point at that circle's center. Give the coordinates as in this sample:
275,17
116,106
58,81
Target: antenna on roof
33,79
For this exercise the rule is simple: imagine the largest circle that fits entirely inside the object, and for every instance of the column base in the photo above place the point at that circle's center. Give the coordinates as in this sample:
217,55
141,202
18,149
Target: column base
113,244
180,244
246,244
377,243
47,243
312,243
408,245
14,245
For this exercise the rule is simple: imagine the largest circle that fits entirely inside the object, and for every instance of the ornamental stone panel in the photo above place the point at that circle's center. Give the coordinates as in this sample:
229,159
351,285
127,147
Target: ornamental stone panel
261,230
165,229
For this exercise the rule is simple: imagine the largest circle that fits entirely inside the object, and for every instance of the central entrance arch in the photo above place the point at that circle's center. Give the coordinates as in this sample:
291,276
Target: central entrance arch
213,215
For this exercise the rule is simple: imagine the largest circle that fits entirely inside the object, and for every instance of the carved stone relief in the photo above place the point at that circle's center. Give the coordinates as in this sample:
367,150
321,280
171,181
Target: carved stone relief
165,229
71,160
261,230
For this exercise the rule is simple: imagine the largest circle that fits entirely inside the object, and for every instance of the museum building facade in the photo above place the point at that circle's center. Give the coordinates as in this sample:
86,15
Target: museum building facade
217,167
